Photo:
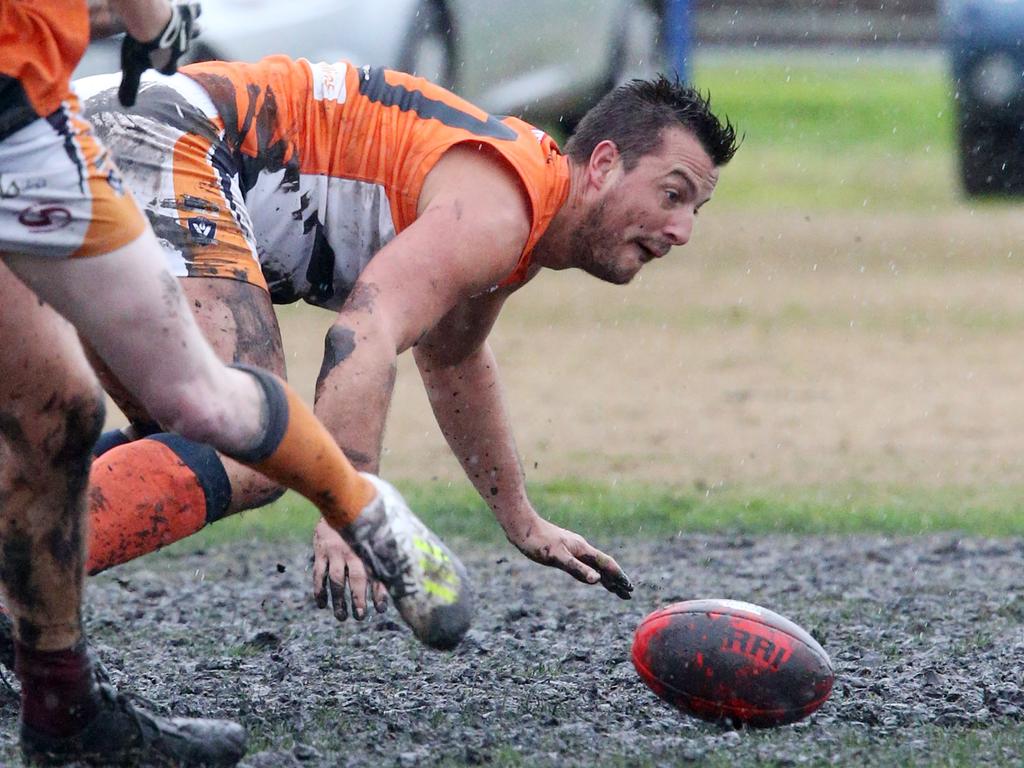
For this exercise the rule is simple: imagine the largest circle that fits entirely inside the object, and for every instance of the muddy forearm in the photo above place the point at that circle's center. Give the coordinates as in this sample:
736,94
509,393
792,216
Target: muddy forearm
470,409
353,390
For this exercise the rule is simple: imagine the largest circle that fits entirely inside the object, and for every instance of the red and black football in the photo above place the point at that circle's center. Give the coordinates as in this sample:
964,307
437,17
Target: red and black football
730,661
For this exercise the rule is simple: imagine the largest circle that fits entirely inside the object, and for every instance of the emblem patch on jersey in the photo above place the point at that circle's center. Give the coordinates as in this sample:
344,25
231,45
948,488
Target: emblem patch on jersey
203,231
329,82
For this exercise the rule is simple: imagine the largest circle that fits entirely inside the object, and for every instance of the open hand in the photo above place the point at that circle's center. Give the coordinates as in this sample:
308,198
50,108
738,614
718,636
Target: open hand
547,544
336,566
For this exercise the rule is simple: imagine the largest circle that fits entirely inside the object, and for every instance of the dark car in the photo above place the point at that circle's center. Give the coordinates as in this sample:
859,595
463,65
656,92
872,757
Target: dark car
986,44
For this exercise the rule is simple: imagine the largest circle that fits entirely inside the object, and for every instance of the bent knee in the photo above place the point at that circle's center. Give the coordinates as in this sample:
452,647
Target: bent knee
52,433
84,415
190,412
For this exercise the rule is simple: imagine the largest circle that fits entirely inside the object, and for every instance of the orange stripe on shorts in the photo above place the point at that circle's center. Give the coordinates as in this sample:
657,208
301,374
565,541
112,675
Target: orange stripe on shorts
221,249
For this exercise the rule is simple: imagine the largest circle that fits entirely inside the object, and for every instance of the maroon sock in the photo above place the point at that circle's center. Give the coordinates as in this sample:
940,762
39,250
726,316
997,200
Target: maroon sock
58,689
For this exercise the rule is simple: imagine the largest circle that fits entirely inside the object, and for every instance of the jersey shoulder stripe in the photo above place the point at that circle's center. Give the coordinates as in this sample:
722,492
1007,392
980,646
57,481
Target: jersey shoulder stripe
375,87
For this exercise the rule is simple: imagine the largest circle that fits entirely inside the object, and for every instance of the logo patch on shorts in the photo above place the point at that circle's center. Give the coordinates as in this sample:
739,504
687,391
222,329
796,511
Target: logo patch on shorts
45,217
202,230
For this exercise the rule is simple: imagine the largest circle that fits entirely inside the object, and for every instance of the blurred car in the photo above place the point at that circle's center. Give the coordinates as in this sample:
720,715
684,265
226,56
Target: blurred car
986,47
540,59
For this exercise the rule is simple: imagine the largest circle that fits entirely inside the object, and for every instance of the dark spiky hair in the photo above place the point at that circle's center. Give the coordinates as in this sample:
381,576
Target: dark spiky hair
634,115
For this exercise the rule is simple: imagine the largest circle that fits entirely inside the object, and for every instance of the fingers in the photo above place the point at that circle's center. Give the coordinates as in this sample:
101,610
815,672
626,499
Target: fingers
339,577
357,586
618,584
380,597
612,577
319,578
578,570
338,597
131,77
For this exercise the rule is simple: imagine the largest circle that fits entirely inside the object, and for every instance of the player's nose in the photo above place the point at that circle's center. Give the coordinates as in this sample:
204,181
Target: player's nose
679,227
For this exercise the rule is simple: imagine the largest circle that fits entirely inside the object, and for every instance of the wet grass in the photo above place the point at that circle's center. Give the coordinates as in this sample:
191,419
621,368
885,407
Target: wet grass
605,510
840,130
923,746
524,694
839,100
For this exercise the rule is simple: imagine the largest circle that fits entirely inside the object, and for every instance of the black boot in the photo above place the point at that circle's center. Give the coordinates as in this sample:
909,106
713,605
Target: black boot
123,734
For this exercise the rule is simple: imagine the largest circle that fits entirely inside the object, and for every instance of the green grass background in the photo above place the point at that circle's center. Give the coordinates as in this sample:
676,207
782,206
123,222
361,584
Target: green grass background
832,131
836,130
606,511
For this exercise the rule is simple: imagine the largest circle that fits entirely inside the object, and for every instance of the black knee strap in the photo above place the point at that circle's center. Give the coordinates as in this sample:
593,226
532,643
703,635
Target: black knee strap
209,470
108,441
275,416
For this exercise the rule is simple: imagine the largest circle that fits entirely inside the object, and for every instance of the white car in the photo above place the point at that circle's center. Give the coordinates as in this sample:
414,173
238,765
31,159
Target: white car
540,59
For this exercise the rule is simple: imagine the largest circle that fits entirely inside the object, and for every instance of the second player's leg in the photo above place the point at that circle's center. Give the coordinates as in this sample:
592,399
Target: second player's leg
238,320
50,412
147,335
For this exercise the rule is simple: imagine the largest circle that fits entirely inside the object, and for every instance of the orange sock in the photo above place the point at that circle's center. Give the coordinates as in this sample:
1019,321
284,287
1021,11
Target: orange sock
150,493
299,453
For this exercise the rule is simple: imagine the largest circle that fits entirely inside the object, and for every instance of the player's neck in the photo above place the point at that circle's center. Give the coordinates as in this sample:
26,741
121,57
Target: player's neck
554,249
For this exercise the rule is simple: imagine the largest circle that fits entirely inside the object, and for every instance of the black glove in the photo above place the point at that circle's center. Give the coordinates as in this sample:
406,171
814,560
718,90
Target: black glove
161,53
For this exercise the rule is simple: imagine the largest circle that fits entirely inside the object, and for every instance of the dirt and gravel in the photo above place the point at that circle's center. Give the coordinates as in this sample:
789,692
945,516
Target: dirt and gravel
925,635
777,350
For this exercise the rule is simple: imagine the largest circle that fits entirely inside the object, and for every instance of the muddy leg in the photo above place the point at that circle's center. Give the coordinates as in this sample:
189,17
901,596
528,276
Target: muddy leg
158,490
238,320
50,413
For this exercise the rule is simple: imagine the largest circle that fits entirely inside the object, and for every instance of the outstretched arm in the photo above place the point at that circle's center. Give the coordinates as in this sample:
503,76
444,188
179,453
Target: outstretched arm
469,206
461,378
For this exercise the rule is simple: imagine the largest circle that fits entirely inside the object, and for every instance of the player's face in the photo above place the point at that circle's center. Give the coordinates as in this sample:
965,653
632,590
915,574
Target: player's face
639,215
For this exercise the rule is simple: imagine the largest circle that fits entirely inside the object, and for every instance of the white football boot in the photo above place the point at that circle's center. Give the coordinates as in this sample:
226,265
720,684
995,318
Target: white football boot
427,583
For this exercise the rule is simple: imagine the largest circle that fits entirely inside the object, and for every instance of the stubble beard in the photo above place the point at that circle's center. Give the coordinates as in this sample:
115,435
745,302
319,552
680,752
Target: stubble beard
593,248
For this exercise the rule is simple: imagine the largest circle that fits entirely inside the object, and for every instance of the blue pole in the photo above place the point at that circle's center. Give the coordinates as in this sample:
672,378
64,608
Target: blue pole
678,36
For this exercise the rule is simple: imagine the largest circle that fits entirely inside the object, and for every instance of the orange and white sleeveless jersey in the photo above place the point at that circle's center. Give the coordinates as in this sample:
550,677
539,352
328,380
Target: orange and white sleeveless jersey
333,157
328,161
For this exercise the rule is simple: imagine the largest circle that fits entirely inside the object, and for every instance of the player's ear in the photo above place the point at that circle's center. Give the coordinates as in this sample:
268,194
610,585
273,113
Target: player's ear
604,162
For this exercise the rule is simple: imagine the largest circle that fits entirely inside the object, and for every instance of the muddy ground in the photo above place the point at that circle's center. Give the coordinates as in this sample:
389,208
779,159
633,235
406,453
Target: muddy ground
925,635
777,350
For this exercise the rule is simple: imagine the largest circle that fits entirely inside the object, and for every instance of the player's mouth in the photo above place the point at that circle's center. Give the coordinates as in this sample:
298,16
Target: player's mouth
650,250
